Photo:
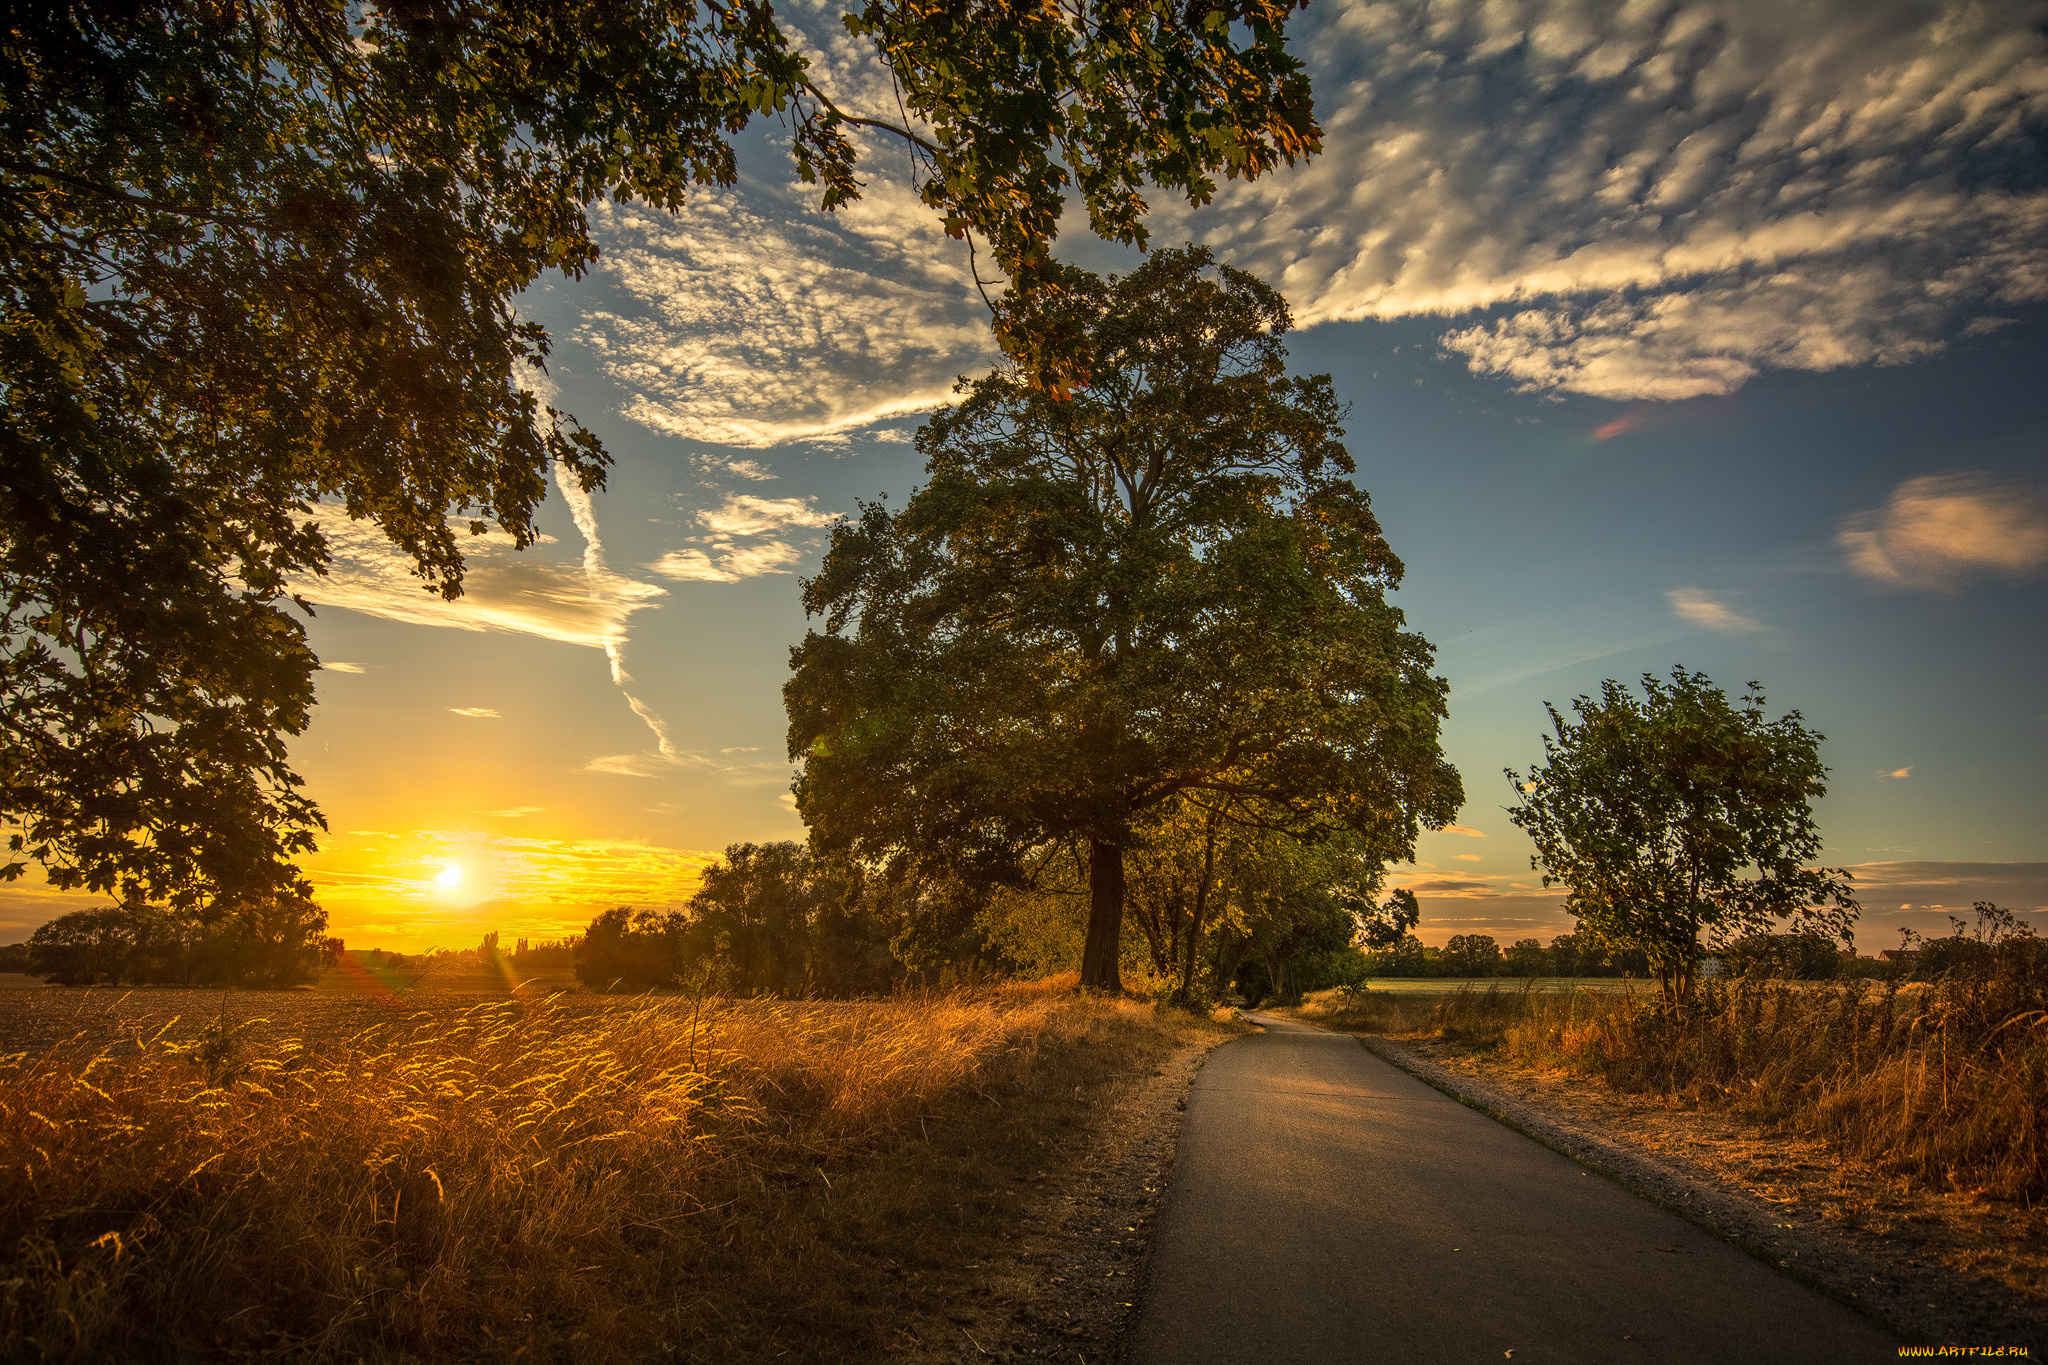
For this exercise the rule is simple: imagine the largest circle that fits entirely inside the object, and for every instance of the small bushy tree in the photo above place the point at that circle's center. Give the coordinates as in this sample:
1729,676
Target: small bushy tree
1677,816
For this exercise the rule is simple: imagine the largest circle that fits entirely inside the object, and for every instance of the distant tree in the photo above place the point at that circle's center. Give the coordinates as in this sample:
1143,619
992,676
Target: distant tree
260,255
1527,958
1679,815
1163,585
272,941
771,918
1473,955
1403,957
14,957
82,947
628,949
1797,957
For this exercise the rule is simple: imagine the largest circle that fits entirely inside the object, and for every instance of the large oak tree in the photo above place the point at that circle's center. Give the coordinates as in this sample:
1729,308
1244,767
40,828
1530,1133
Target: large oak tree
1162,583
260,253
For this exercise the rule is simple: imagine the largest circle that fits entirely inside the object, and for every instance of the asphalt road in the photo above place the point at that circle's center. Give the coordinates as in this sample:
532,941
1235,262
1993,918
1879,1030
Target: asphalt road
1328,1207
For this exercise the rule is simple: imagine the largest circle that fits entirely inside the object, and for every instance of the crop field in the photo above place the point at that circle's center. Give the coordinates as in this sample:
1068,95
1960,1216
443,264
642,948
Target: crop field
524,1175
35,1016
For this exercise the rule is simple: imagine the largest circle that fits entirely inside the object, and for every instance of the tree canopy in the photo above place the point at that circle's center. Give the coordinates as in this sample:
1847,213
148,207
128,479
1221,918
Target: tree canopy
260,254
1678,815
1163,584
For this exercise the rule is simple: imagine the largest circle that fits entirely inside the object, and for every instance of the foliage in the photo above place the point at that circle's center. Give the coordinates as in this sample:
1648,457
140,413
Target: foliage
262,258
1796,957
1525,957
13,957
1291,902
770,918
1473,955
1388,924
1653,812
275,941
1569,955
628,949
1999,941
1164,586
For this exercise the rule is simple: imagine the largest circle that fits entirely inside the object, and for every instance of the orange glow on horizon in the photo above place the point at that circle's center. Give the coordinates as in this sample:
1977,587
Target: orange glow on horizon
411,890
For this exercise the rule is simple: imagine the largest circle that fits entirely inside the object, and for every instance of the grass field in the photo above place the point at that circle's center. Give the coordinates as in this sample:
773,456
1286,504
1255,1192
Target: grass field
502,1178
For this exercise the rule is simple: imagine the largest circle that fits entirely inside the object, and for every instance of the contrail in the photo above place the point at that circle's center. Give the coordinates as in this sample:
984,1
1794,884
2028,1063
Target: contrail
602,582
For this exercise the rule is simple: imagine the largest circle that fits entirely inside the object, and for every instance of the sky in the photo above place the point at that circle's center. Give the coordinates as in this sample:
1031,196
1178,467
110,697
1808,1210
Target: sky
1701,334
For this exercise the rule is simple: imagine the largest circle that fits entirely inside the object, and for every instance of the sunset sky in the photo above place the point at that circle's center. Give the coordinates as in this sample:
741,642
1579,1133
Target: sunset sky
1706,334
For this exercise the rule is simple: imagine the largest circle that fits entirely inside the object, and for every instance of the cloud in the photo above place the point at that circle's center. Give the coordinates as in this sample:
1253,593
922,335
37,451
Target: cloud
752,318
476,712
1639,202
1900,773
742,517
1942,530
336,666
1467,857
1658,201
1465,830
1702,610
1952,885
503,589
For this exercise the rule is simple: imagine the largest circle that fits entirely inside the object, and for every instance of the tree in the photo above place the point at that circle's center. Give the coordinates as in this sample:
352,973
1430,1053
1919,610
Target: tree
1527,958
1390,923
1473,955
260,256
1679,815
1162,585
635,949
770,917
271,941
1405,956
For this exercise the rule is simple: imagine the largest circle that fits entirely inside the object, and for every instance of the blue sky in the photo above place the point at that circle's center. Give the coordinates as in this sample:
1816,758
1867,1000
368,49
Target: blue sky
1673,333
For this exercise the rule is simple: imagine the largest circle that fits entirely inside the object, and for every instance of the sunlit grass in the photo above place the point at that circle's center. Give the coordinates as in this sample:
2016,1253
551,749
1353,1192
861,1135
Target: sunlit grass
1944,1084
513,1175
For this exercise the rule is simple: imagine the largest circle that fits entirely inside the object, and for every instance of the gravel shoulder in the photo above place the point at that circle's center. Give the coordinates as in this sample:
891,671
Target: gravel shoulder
1939,1270
1069,1290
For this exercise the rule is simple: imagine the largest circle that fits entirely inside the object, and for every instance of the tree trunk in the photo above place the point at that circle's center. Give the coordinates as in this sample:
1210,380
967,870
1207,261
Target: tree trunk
1105,917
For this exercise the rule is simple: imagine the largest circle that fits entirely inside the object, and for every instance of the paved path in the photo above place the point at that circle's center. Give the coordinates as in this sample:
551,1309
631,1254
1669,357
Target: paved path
1328,1207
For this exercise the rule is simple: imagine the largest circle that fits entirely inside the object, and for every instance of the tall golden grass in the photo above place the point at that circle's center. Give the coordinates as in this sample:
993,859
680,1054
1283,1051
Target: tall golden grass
1944,1083
512,1178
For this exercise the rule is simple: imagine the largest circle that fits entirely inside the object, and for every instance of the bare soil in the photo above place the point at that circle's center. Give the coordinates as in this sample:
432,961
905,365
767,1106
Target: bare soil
1936,1268
1071,1287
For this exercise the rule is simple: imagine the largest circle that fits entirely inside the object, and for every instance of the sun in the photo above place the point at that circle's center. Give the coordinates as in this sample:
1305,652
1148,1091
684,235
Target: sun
449,877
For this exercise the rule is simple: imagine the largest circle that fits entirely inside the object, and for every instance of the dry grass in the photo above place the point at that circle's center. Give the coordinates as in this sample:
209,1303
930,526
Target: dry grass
523,1179
1943,1085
